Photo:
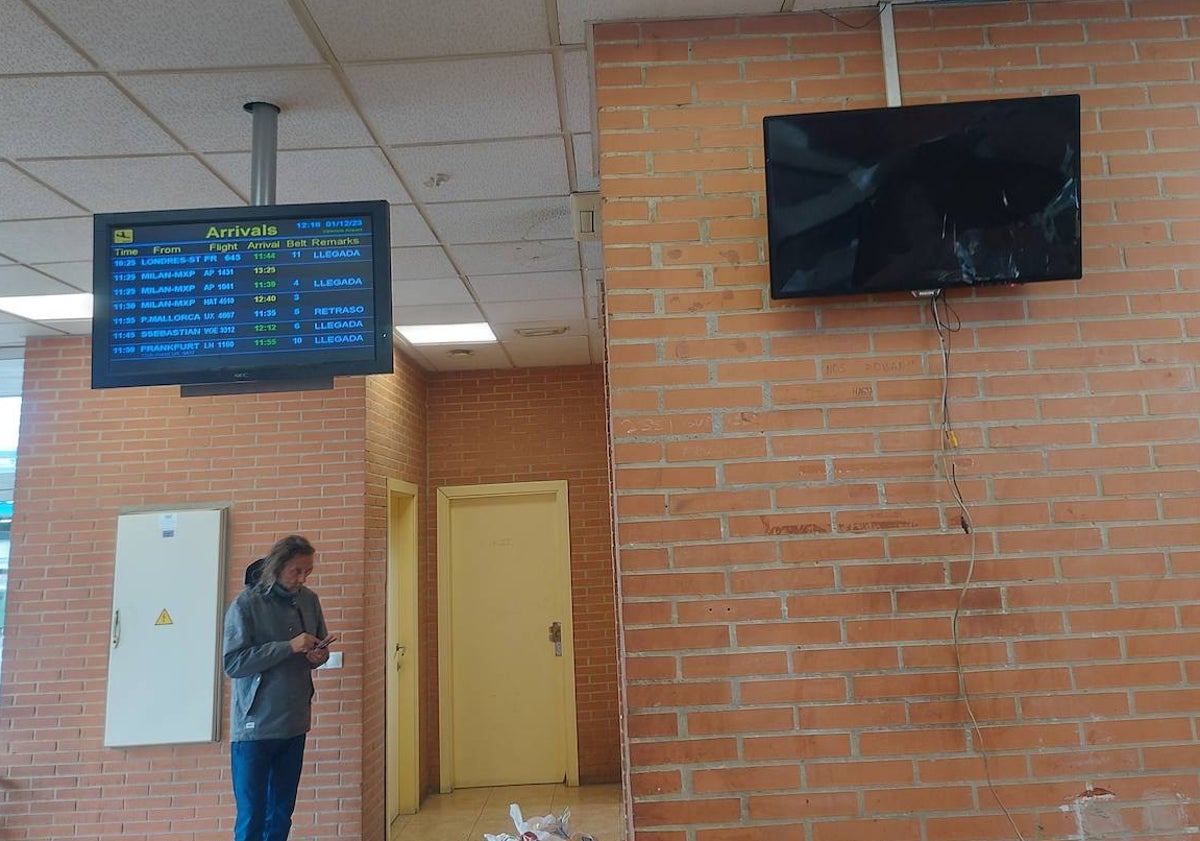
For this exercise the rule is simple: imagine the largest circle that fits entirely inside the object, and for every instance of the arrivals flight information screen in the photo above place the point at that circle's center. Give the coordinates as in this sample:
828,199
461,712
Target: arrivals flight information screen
212,295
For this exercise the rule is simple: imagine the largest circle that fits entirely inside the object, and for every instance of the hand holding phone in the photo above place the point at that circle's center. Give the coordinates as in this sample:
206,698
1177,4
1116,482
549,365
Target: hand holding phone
325,643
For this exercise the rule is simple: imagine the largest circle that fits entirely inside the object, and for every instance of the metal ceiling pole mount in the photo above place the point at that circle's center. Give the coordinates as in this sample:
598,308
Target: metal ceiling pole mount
891,69
263,151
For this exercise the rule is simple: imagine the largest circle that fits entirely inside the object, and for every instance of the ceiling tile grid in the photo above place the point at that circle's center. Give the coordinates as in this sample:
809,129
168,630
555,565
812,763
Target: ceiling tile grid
316,175
73,116
173,34
115,185
22,197
501,169
24,280
504,220
28,45
367,30
473,120
47,241
460,99
205,111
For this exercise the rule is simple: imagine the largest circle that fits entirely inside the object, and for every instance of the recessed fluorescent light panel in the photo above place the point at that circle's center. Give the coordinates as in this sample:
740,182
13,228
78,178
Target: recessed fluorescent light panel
75,307
447,334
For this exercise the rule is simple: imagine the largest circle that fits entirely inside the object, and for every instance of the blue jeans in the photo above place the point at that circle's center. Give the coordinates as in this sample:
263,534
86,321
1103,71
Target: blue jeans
266,776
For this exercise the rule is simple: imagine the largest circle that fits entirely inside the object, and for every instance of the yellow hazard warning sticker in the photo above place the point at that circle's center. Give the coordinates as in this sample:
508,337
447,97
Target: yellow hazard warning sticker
164,618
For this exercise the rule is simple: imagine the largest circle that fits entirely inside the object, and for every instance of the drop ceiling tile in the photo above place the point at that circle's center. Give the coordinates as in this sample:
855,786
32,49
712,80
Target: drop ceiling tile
319,175
507,330
501,169
75,275
481,357
72,116
408,227
21,197
578,85
436,314
419,293
114,185
502,221
15,334
463,99
22,280
205,109
415,355
367,30
556,350
149,34
586,178
517,257
74,327
574,14
526,287
423,263
47,240
28,45
553,310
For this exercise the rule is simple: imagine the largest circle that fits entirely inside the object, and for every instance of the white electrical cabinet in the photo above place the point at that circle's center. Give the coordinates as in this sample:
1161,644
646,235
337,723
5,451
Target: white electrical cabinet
165,631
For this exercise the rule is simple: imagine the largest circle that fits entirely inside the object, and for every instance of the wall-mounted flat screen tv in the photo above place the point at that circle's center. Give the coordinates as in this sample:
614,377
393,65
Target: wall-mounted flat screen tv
241,295
923,197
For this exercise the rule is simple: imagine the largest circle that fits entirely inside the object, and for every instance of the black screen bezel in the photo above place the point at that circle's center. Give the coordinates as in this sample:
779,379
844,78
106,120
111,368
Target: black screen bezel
290,365
1025,109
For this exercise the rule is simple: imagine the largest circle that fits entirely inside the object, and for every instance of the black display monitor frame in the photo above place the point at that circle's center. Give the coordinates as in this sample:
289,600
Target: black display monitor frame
924,197
278,367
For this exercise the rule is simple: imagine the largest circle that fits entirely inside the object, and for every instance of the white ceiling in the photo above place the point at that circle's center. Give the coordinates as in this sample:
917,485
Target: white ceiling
473,118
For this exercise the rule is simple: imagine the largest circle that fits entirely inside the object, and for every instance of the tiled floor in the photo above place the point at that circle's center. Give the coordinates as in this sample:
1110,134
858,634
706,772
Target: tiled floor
466,814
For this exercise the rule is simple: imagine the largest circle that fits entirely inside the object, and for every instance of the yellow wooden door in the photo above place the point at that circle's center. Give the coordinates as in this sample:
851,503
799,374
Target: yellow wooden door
504,578
402,773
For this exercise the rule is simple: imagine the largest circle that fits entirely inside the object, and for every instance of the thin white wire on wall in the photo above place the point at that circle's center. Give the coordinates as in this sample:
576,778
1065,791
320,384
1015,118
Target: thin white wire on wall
891,66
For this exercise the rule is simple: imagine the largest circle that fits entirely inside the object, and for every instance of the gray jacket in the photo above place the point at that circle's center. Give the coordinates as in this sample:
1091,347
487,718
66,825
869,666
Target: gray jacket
272,687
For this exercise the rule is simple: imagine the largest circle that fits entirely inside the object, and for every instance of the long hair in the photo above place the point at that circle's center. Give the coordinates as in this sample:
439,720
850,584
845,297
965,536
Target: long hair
283,551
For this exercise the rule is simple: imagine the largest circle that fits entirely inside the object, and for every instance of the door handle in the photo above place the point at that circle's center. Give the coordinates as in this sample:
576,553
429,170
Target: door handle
116,628
398,654
556,637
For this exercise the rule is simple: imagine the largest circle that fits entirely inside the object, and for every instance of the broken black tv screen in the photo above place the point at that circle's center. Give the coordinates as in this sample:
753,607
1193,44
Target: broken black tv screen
923,197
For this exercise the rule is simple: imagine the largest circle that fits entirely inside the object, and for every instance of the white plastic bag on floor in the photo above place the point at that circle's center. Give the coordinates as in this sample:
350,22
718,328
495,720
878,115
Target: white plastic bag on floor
542,828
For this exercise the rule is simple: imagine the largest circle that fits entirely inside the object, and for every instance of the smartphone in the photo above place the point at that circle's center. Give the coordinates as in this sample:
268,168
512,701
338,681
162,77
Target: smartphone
327,643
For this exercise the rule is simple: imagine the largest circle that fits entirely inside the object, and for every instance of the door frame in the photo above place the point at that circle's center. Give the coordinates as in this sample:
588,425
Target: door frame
562,529
402,735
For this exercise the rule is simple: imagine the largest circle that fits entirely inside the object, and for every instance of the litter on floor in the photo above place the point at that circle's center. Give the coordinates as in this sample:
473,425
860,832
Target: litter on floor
541,828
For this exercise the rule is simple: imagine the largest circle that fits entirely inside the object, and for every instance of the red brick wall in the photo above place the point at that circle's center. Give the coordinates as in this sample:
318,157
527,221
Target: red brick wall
395,449
312,462
535,425
290,462
789,554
